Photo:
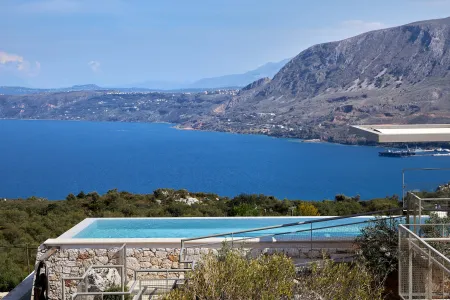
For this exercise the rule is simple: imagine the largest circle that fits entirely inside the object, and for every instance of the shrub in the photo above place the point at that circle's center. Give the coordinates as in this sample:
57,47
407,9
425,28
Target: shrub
440,230
331,280
307,209
115,288
379,247
245,209
233,276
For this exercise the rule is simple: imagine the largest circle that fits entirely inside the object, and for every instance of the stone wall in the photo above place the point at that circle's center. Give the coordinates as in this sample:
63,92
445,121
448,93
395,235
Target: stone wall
74,262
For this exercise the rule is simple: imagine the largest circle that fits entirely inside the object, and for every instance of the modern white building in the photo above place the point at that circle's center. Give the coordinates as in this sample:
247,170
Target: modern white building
403,133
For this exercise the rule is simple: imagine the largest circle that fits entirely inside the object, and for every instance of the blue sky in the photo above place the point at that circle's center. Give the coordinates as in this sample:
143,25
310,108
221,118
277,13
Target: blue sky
55,43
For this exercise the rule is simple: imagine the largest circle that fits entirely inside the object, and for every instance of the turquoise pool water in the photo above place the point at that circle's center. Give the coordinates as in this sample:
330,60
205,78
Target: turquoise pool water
196,227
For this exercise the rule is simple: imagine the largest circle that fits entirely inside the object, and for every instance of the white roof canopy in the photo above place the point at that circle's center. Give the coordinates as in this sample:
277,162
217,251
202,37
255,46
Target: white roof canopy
403,133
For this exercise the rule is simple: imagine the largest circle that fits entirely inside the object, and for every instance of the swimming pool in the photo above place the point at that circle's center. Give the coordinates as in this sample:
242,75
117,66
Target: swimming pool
108,228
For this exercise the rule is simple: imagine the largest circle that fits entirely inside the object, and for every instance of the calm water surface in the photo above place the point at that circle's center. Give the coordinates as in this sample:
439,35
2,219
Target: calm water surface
195,227
54,158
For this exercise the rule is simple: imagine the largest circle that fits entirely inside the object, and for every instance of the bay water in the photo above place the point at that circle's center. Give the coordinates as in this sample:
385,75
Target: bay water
51,159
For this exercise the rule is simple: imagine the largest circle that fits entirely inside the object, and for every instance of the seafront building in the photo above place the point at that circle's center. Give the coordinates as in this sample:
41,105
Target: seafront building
147,257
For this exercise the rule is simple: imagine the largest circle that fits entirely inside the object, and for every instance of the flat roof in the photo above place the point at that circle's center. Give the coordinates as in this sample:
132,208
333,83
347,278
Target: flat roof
413,133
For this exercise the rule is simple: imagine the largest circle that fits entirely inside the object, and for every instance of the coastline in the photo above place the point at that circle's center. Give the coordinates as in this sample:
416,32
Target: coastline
189,128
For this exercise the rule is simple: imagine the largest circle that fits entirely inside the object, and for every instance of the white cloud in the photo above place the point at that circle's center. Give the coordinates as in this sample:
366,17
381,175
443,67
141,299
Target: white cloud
94,65
10,58
15,63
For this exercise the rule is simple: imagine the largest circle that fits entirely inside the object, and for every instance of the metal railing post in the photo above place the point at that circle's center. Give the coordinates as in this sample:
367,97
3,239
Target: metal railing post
125,263
400,290
410,277
415,216
408,207
420,211
430,276
181,258
443,289
310,237
123,280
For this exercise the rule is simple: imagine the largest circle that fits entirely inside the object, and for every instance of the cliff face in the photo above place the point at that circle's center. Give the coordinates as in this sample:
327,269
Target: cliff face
382,59
395,75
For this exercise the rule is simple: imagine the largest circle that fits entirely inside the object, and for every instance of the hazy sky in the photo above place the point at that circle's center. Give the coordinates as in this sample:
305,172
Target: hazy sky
53,43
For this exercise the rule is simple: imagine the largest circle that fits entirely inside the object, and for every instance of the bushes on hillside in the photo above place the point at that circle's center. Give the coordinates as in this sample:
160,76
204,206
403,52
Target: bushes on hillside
232,276
115,297
330,280
440,229
307,209
378,245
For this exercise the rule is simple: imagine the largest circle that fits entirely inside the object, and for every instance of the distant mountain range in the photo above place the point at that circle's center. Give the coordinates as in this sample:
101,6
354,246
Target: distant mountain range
17,90
235,81
226,81
241,80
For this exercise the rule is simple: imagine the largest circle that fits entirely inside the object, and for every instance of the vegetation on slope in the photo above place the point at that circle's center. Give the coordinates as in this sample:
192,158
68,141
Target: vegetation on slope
29,222
234,276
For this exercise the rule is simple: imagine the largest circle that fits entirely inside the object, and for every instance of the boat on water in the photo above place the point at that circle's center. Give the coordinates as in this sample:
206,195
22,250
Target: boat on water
441,154
415,152
424,151
397,153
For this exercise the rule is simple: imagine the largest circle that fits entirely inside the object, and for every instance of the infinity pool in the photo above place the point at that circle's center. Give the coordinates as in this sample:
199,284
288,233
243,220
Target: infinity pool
196,227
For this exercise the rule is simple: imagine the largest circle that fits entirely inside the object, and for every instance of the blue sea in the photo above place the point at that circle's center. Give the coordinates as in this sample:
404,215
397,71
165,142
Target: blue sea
54,158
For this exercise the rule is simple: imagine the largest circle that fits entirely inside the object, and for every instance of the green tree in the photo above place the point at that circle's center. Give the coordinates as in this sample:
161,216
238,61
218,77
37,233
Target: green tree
71,197
245,209
81,195
307,209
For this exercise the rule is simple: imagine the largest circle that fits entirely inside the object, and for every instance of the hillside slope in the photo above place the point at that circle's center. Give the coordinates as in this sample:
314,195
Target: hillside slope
394,75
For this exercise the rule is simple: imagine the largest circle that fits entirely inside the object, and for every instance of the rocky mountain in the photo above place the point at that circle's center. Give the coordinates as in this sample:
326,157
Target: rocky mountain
394,75
226,81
